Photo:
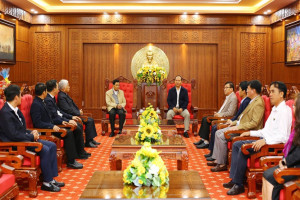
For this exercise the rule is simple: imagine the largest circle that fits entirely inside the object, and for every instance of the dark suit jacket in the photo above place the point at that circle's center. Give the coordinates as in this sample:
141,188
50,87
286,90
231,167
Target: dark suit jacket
242,108
66,104
11,128
293,158
40,115
53,108
183,98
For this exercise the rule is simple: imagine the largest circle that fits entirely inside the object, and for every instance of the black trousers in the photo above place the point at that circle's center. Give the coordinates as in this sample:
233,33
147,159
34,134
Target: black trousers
112,117
90,130
268,175
212,138
73,143
204,129
48,160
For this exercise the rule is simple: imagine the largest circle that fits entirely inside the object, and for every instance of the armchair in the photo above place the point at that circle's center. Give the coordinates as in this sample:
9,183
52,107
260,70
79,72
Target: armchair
189,85
29,167
129,92
291,189
229,135
25,106
8,186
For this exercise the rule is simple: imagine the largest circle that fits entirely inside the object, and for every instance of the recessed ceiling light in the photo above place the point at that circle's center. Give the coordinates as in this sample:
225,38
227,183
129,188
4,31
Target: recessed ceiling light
116,13
196,13
185,13
265,12
36,12
32,10
269,11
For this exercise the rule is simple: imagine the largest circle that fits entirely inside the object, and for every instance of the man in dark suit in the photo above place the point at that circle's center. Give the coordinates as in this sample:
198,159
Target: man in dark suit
13,129
41,118
244,103
66,104
178,100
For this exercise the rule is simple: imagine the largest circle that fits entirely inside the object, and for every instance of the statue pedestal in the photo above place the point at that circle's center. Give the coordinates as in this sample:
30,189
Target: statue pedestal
150,94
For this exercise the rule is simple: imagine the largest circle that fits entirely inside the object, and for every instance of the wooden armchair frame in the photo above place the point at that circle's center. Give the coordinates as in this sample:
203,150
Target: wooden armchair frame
290,188
254,173
12,192
31,172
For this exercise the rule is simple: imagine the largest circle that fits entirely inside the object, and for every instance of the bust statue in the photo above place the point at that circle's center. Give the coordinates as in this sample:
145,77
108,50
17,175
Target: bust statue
150,62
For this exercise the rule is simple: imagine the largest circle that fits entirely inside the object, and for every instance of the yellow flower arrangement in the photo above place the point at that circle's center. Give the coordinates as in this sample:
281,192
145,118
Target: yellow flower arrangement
147,169
151,74
149,130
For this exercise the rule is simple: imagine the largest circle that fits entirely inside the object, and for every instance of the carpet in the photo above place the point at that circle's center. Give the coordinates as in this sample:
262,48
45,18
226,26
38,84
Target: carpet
76,180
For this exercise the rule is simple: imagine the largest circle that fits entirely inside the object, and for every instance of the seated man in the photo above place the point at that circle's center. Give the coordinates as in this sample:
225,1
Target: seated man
276,130
116,102
178,100
41,118
13,129
228,108
244,103
66,104
250,119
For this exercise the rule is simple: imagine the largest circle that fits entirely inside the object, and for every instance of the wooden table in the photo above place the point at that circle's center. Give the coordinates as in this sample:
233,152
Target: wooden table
109,185
133,124
125,147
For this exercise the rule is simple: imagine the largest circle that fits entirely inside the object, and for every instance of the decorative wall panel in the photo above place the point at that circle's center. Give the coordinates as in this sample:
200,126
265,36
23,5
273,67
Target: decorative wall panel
253,56
47,56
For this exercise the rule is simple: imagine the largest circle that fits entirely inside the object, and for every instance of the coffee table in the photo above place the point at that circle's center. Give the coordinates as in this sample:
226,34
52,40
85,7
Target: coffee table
109,185
125,147
133,124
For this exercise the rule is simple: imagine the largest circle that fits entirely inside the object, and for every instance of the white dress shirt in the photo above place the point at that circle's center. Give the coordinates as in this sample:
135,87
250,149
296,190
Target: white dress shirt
178,92
226,99
278,126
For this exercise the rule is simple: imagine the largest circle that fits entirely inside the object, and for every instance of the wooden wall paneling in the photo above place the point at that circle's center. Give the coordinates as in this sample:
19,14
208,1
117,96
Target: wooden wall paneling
278,52
47,56
290,76
278,32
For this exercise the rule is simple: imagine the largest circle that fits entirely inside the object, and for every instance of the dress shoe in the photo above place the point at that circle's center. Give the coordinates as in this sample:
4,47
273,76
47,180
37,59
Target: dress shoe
236,189
228,185
112,134
212,164
86,153
90,145
58,184
208,155
185,134
82,156
95,142
210,159
50,188
218,168
199,142
202,146
75,165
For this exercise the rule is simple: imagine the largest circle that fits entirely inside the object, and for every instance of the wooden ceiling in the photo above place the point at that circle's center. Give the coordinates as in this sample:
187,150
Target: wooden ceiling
152,6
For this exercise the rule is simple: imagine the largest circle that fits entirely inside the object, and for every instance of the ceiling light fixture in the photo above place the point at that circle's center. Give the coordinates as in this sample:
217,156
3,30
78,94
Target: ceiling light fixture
185,13
265,12
269,11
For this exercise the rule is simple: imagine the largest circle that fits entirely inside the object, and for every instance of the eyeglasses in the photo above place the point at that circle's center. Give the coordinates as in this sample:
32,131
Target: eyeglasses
226,87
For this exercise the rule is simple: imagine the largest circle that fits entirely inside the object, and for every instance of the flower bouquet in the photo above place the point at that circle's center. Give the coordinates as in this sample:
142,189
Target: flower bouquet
149,131
147,169
151,74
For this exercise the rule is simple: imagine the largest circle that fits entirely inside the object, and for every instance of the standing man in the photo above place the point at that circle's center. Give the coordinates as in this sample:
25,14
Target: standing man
116,102
178,100
66,104
13,129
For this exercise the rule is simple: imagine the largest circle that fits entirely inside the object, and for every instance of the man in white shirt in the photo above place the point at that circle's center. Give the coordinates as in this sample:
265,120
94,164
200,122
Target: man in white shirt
276,130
